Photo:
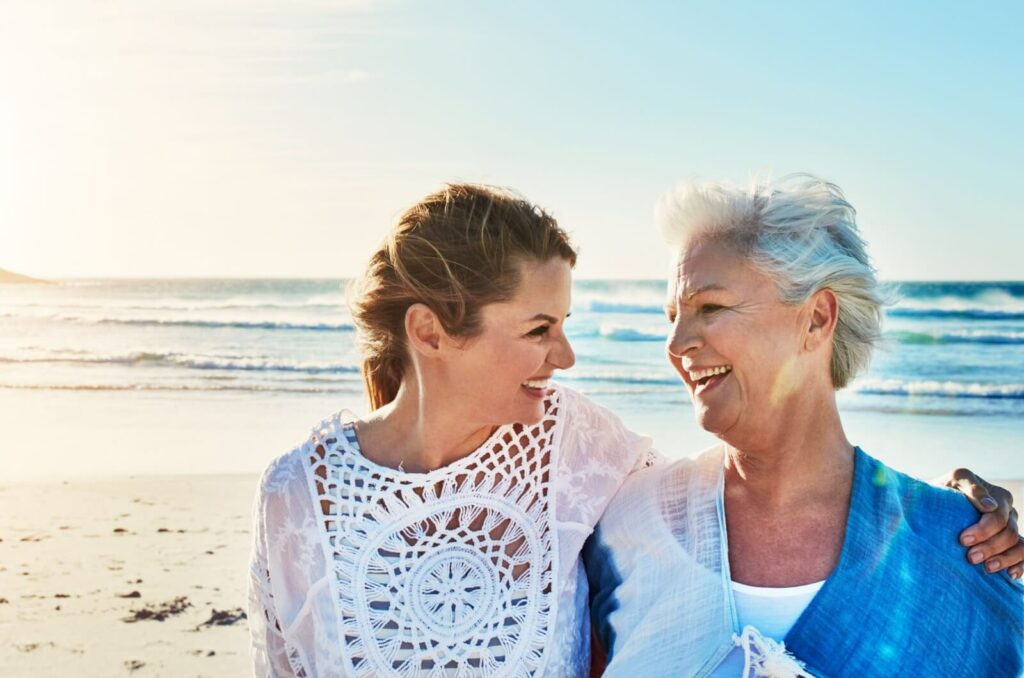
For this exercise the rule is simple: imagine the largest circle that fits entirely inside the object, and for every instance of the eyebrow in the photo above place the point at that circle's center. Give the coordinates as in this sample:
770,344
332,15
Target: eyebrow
547,318
670,306
706,288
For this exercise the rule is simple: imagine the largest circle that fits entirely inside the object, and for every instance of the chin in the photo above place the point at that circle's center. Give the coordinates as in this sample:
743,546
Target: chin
532,418
529,414
712,422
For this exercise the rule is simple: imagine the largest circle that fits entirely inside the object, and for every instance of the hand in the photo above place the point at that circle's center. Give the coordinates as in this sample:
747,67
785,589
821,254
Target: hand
995,539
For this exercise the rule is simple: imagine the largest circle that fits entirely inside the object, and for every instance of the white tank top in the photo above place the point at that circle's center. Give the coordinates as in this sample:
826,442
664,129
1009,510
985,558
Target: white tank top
772,611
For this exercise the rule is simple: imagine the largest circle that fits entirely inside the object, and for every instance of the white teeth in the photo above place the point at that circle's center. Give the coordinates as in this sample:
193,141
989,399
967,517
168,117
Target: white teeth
536,383
710,372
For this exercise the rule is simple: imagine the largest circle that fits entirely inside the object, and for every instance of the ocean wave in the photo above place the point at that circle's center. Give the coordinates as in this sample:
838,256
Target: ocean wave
971,303
935,313
224,363
623,333
319,302
937,389
72,356
600,306
958,337
240,388
933,407
1009,294
257,365
211,324
615,378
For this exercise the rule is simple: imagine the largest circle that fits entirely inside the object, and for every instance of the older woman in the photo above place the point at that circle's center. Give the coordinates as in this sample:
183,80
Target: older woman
786,550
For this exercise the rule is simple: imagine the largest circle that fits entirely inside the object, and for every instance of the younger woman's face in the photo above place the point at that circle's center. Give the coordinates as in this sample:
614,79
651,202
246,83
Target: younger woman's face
504,370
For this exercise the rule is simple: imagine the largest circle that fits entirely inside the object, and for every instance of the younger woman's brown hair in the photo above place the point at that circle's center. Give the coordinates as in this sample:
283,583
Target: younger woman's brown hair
455,250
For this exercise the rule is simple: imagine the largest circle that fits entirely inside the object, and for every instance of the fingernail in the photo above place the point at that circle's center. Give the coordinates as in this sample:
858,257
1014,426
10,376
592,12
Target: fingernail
975,556
992,566
989,502
967,540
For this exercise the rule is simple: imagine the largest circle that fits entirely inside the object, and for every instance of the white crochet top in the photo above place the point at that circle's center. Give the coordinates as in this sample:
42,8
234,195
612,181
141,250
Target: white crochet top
469,570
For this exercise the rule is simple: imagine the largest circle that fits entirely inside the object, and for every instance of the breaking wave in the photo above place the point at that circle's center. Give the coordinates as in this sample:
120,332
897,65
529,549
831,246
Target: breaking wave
938,389
227,363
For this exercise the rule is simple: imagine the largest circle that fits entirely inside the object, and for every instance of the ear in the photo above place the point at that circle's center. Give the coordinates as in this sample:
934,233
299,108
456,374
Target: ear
423,330
823,308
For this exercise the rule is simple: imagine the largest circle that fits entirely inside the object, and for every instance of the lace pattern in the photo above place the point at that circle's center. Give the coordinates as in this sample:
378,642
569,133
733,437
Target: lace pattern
448,572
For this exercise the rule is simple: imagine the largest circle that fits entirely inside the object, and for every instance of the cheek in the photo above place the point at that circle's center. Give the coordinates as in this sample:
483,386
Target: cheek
768,372
530,356
477,372
509,365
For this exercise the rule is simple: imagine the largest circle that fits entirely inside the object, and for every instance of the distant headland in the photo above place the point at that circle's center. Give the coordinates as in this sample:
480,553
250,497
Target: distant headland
12,277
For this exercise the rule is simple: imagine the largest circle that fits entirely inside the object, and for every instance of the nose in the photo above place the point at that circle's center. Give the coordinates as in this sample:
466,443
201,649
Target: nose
562,356
682,338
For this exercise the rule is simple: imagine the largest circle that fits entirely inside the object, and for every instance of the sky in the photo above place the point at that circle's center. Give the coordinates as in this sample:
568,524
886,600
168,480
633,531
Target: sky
247,138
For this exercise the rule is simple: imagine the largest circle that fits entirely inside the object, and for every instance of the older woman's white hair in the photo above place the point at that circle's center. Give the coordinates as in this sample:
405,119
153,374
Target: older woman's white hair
801,232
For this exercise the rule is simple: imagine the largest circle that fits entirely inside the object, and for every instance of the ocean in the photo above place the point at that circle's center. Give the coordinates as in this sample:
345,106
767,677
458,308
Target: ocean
953,350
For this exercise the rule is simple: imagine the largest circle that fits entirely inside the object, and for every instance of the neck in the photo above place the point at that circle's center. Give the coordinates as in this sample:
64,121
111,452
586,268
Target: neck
807,457
418,433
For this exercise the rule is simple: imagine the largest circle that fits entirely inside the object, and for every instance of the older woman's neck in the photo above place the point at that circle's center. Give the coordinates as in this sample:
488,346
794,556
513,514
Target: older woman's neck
806,453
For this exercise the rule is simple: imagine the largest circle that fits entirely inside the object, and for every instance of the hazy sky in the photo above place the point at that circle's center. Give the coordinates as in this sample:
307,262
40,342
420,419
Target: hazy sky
247,138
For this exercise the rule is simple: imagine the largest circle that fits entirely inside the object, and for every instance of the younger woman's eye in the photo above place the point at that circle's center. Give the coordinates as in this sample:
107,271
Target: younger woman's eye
538,331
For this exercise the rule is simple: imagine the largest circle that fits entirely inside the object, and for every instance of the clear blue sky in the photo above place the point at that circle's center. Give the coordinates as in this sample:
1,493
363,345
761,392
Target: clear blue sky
248,138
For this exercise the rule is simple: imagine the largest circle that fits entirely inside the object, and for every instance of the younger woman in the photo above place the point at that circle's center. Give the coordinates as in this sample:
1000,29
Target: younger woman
440,535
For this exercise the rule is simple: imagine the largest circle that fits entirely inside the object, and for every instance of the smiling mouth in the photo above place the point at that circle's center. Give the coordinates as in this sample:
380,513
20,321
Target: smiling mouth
536,384
706,378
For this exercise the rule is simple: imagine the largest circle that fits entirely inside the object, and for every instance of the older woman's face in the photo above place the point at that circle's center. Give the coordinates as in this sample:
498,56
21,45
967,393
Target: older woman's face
732,341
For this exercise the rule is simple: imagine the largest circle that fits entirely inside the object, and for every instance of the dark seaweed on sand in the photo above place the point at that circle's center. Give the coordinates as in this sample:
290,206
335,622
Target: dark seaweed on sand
159,611
224,618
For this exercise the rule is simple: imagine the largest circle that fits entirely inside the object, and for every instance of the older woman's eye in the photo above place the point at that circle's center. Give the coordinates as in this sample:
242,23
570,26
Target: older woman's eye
710,308
538,331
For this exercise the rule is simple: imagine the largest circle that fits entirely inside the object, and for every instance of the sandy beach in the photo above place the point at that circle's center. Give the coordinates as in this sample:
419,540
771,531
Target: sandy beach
136,575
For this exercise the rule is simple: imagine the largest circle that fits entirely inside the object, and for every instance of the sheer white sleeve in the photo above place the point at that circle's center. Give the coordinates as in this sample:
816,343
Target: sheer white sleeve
287,572
598,452
267,643
268,652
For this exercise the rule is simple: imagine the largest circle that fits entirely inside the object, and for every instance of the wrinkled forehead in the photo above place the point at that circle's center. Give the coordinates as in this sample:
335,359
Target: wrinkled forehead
699,266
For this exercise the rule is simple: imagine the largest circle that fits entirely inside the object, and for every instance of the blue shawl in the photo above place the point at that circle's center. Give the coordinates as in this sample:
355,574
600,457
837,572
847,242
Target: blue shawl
902,600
